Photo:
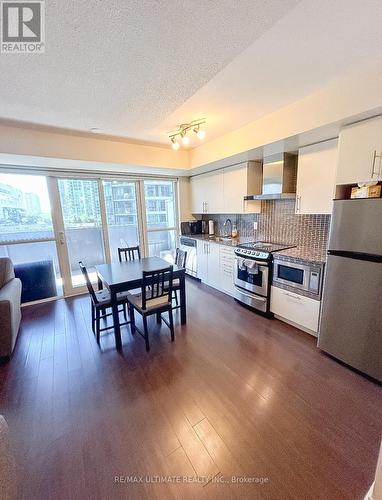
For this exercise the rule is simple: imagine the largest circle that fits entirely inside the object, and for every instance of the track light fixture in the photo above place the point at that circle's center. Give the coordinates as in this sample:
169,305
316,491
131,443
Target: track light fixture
180,134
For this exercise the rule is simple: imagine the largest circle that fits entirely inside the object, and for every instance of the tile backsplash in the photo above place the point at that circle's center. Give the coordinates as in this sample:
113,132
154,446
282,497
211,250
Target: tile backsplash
278,223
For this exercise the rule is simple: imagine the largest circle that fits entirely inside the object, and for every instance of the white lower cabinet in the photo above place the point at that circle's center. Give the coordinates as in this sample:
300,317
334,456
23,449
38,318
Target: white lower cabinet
215,265
226,267
297,309
202,260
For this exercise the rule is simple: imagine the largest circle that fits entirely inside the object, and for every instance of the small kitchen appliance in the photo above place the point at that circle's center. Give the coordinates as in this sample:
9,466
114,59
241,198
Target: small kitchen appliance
211,227
192,227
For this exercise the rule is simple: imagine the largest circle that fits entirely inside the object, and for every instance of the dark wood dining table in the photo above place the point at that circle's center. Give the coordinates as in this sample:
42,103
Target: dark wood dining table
123,276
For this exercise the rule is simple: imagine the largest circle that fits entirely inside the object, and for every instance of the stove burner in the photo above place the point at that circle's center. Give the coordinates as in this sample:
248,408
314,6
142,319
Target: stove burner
260,249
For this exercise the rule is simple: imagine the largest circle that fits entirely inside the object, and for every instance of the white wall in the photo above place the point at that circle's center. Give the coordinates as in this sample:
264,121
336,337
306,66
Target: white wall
38,143
184,199
342,101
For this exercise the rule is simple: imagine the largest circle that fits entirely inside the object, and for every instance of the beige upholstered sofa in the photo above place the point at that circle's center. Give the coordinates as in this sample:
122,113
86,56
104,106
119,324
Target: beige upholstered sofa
10,312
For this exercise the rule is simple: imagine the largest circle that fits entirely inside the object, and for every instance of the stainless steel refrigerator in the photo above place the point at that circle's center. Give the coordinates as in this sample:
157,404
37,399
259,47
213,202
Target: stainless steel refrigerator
351,315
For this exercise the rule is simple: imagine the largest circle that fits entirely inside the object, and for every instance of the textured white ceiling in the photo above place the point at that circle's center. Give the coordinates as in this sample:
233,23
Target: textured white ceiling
314,44
137,68
125,65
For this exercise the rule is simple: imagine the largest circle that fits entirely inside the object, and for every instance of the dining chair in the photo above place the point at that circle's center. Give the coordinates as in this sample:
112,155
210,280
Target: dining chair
153,299
180,261
129,253
100,302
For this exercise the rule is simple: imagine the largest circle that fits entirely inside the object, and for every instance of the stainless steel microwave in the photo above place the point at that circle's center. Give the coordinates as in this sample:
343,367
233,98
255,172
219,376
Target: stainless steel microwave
306,277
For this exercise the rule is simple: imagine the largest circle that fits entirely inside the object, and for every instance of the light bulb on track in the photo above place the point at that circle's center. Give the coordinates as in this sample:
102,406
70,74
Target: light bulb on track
185,140
175,144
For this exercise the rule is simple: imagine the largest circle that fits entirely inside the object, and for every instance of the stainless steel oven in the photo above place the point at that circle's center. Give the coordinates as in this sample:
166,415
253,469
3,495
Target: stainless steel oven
253,274
306,277
252,282
253,279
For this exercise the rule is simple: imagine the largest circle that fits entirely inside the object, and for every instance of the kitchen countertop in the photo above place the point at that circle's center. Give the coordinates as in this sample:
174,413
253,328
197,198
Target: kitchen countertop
298,253
304,254
234,242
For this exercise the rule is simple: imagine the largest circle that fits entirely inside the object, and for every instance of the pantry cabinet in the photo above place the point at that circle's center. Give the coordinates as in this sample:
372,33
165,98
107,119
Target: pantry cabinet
223,191
359,152
316,178
297,309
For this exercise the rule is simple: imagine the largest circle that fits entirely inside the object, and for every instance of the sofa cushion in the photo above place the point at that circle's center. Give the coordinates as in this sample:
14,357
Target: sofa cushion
6,271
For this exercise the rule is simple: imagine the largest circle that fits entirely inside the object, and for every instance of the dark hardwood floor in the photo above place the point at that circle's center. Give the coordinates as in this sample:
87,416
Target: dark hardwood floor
235,395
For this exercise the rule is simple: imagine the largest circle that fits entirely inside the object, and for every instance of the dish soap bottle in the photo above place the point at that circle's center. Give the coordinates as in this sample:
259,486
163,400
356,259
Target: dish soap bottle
235,233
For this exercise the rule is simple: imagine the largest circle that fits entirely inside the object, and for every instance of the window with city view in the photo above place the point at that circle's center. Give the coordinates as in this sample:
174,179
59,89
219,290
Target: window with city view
84,232
122,216
81,212
160,217
26,228
24,208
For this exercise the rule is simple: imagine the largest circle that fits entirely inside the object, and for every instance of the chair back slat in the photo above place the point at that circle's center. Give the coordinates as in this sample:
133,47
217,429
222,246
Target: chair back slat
180,258
153,284
89,285
129,253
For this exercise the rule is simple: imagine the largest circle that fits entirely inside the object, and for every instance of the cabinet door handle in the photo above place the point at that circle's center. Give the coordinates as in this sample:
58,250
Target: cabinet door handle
292,296
373,165
375,156
298,203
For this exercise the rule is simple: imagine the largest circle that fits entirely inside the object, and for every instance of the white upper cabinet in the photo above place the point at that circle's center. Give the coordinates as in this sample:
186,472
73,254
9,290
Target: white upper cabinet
239,181
223,191
360,150
198,194
316,178
207,193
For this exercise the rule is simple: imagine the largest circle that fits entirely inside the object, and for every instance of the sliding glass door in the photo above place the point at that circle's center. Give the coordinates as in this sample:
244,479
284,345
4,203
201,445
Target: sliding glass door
65,220
123,221
81,231
26,232
161,219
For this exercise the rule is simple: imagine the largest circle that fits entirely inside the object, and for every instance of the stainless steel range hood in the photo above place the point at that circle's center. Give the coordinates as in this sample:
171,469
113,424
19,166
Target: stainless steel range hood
279,178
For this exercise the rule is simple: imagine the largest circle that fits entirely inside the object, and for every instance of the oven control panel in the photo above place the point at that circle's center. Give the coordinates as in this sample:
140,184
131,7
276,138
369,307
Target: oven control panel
251,254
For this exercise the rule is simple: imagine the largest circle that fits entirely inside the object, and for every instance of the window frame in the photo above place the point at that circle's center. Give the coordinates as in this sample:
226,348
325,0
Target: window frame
52,174
147,228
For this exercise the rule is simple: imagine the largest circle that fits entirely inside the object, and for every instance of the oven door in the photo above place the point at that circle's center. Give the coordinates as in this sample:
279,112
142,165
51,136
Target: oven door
255,283
295,275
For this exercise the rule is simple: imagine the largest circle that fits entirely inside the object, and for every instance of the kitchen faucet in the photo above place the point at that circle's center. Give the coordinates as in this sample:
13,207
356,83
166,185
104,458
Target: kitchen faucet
226,233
